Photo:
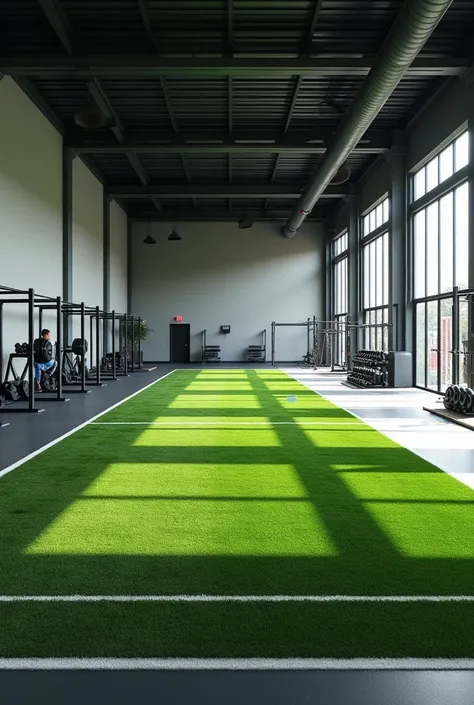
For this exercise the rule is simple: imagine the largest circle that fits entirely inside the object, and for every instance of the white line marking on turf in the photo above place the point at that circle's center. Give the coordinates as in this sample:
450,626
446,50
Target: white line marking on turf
228,423
24,460
236,598
237,664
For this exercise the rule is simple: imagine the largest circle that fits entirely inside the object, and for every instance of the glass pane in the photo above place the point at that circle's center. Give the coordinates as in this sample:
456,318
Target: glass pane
461,151
379,216
379,272
461,205
446,341
432,178
419,254
432,249
372,225
385,269
446,165
373,274
432,344
386,213
446,214
419,188
420,345
366,228
366,278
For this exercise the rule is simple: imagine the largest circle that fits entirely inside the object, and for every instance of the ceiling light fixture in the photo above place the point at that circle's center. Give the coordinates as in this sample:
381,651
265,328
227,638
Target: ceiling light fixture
174,236
245,222
149,240
91,116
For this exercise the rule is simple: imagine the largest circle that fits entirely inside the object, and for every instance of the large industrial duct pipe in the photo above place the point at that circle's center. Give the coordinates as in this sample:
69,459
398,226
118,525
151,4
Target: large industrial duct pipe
412,28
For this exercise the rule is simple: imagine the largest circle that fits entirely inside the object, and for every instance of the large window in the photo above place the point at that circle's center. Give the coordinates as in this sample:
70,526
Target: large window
440,245
375,267
339,295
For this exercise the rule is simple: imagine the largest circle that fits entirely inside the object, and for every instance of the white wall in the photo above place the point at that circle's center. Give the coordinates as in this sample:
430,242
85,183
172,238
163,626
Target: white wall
218,274
30,206
118,258
87,237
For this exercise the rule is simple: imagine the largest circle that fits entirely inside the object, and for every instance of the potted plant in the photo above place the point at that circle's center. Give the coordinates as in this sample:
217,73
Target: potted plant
139,330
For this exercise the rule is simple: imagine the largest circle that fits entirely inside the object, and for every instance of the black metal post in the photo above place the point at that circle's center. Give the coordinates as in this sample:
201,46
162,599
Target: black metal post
133,342
91,323
40,320
125,335
1,342
139,343
31,352
59,348
273,343
83,335
97,348
114,362
456,338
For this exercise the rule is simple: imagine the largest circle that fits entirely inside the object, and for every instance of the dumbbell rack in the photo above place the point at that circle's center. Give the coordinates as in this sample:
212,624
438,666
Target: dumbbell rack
369,369
460,399
256,353
212,353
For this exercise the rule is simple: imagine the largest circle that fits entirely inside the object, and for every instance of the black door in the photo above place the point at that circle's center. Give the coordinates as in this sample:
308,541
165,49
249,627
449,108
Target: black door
179,342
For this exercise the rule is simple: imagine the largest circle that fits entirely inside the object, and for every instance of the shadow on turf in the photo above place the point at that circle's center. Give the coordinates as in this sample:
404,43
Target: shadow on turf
367,562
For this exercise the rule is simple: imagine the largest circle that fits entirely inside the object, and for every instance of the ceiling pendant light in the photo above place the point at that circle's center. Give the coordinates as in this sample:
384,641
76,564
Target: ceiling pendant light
174,236
149,240
91,116
245,222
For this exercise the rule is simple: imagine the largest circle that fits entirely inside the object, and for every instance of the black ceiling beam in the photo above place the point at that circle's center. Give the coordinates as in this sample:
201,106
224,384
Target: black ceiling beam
151,66
169,107
222,215
299,81
143,7
308,44
230,104
250,191
59,22
230,26
154,143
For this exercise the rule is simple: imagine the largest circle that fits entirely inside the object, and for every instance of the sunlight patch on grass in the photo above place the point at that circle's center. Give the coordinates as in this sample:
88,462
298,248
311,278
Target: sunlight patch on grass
345,437
197,479
419,486
153,527
421,530
215,401
225,386
189,437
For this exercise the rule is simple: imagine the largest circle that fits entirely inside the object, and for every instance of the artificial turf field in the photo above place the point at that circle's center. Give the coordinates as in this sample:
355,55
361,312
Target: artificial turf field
219,519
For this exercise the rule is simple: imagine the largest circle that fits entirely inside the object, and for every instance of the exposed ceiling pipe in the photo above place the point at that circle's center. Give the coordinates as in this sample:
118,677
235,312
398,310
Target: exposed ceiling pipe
412,28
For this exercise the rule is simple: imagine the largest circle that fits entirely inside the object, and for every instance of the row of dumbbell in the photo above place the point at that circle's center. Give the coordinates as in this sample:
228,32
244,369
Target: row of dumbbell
460,399
372,376
377,355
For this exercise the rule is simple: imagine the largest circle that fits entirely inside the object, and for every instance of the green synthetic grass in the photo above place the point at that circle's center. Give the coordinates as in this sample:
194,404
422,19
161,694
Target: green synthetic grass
232,489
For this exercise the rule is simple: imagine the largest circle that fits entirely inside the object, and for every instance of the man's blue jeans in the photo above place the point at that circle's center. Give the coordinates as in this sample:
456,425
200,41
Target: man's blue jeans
40,366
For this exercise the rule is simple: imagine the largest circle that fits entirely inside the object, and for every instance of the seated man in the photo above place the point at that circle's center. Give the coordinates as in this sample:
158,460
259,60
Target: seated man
44,359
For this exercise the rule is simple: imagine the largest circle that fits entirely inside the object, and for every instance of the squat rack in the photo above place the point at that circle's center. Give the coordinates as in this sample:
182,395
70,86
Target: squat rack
330,329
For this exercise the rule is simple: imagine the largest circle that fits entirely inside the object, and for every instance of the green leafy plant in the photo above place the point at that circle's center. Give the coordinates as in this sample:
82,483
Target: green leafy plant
140,330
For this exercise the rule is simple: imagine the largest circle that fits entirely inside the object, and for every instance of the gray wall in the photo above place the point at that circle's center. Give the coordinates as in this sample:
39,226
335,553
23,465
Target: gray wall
218,275
31,240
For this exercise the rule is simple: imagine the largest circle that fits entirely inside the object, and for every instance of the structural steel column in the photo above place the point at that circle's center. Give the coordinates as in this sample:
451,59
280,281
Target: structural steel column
129,265
398,249
67,196
106,265
354,270
470,347
329,235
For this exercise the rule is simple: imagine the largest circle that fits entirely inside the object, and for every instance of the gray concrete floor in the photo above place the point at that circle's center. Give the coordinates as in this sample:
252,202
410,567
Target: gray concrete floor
398,414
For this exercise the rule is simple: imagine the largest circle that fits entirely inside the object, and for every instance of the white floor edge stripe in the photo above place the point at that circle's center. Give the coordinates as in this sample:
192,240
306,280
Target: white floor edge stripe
236,598
24,460
228,423
237,664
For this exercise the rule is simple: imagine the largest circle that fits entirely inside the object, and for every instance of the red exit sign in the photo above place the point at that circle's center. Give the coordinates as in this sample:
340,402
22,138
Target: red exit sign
179,319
